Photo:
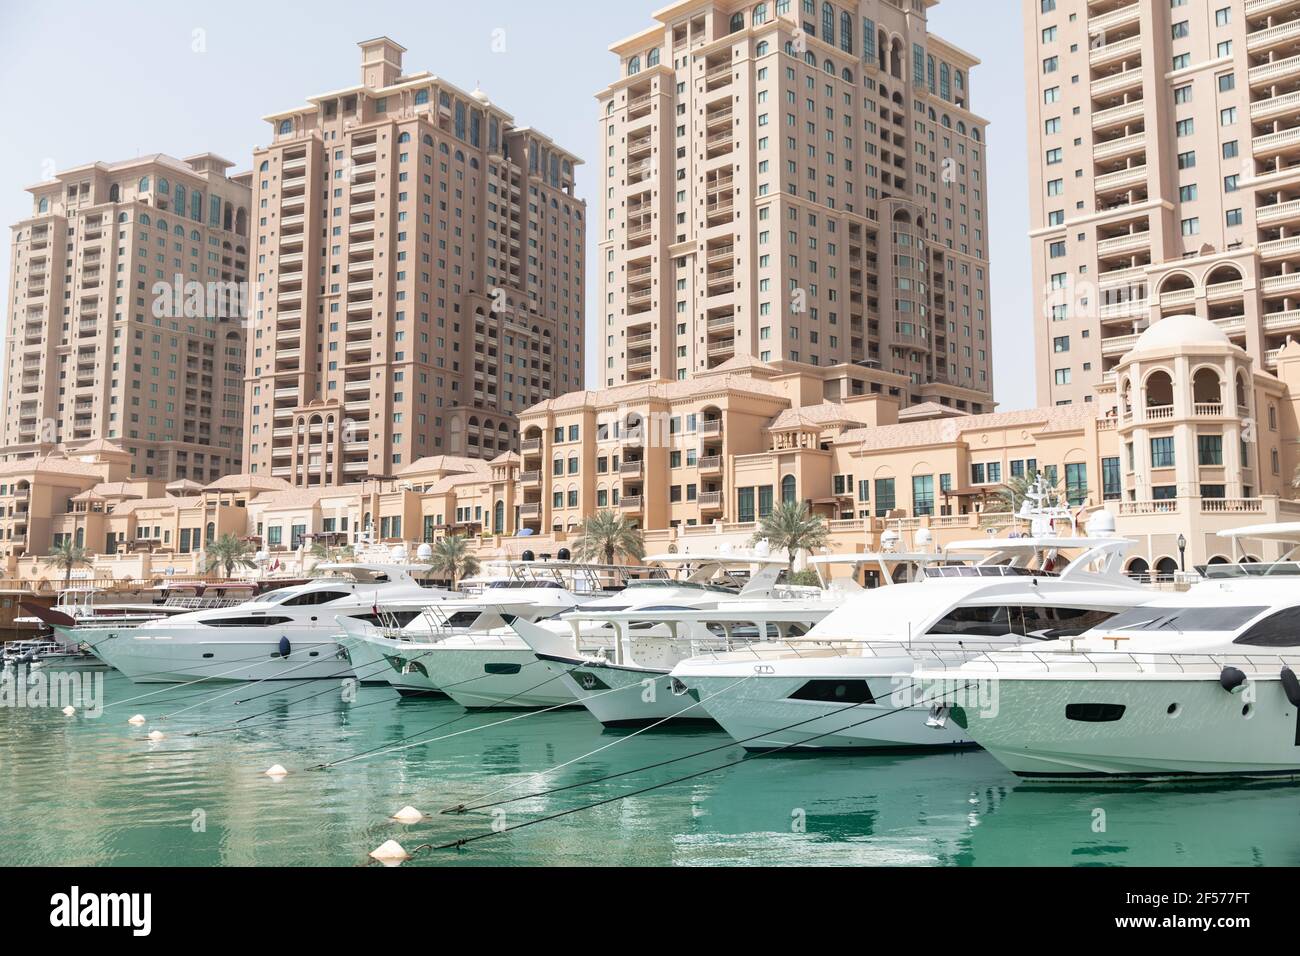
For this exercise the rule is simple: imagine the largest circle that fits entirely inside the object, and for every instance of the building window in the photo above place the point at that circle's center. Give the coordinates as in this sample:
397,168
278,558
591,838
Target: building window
922,495
1112,488
884,496
1162,452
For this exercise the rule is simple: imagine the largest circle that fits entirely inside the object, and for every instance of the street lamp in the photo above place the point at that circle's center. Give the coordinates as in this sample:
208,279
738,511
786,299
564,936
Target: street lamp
1182,553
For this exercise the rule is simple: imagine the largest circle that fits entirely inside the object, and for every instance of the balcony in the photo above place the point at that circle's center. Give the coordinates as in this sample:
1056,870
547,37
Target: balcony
1114,19
1116,83
1124,146
1285,104
710,501
1276,141
631,503
711,428
1120,179
528,511
1273,36
711,464
1125,243
1283,283
631,469
1267,72
1120,50
1279,247
530,477
1278,212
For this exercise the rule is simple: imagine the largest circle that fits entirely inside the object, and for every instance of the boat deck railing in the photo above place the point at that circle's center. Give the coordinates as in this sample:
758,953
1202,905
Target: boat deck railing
1117,661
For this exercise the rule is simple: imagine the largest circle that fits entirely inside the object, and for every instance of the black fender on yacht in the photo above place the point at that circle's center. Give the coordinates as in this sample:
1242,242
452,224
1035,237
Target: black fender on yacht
1232,679
285,647
1291,685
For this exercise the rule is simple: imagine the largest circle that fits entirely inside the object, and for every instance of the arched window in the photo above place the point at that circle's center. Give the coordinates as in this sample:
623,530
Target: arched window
404,138
286,127
499,518
164,187
652,58
737,22
760,14
762,48
144,219
182,196
264,167
421,97
44,204
828,23
144,184
114,193
789,490
634,66
196,206
846,31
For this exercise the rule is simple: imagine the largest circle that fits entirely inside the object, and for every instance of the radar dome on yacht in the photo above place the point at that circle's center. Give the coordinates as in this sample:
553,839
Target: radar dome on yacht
889,540
762,549
1101,524
262,557
923,537
727,548
1180,331
399,553
424,552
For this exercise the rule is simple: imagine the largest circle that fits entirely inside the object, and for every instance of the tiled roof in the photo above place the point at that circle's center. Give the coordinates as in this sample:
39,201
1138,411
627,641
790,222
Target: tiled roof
949,430
444,463
815,416
659,391
248,482
52,466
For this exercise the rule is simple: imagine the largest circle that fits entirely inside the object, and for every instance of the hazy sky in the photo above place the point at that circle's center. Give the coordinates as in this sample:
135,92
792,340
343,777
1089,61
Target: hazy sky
109,80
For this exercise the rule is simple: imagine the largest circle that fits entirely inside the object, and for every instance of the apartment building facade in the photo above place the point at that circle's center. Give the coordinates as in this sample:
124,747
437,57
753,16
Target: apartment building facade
1164,174
795,181
420,259
127,287
697,465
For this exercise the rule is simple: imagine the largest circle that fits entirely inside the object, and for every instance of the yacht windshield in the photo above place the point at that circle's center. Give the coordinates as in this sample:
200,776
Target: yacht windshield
1153,619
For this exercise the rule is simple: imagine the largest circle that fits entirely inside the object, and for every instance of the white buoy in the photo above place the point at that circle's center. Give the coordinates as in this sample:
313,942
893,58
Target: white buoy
408,815
137,720
69,711
156,735
277,773
391,852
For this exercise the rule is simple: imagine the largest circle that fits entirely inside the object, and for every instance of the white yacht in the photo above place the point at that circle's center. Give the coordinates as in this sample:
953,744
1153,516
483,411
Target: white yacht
285,634
389,647
497,669
846,684
1201,682
622,677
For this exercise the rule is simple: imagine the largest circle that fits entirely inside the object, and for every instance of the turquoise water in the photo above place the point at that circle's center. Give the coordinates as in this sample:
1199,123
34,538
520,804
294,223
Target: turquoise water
83,791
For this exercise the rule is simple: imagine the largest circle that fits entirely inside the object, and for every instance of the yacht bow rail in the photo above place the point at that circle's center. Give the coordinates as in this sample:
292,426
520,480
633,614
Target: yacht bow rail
1141,662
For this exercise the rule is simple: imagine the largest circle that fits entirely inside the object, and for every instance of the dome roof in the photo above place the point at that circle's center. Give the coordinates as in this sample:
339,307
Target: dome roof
1178,332
482,97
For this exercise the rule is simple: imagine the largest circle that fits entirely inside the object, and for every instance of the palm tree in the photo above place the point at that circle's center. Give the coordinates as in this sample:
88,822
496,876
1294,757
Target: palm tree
607,535
67,555
452,557
227,553
793,527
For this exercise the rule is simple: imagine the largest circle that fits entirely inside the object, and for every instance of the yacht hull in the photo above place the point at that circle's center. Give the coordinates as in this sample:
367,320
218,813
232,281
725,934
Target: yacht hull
760,711
159,657
506,677
624,696
1168,728
369,665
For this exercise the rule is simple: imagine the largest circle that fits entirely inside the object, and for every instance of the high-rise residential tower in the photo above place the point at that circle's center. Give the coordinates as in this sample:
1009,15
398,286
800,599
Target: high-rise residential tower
125,325
795,181
1164,142
419,260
